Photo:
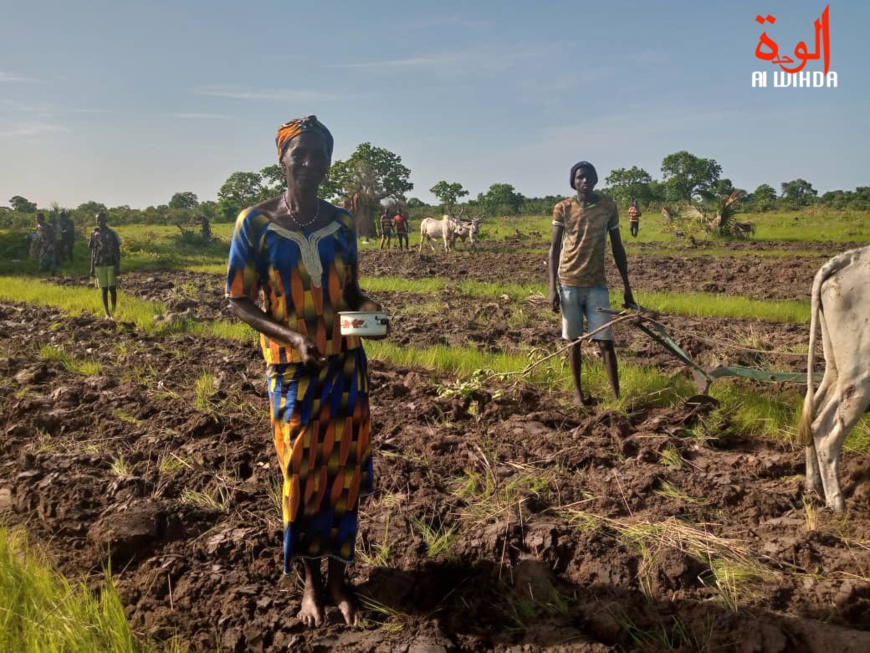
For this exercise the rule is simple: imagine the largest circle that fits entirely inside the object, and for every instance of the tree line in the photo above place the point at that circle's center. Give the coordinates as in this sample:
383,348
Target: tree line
373,178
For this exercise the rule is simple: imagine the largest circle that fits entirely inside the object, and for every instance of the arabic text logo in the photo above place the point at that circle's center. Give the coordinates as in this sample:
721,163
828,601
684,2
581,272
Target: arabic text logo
791,74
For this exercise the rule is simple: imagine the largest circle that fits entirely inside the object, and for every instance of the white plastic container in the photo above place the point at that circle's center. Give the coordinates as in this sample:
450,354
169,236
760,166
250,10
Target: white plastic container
363,323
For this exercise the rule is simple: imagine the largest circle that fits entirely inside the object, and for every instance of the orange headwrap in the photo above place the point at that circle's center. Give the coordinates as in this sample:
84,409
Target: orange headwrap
290,130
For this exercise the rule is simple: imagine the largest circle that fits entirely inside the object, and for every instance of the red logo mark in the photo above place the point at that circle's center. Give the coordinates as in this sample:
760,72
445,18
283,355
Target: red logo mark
768,50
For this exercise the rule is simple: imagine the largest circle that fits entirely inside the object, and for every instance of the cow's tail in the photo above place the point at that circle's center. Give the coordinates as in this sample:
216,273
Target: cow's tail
805,428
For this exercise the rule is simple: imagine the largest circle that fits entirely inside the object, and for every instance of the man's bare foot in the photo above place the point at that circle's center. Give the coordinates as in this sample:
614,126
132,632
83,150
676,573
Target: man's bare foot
311,612
344,599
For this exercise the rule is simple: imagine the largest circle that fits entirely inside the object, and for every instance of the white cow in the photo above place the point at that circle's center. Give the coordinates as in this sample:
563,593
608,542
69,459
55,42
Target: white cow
841,302
447,228
473,228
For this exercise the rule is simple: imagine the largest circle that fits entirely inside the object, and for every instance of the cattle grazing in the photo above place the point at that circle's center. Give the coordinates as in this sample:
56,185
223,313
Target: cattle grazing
841,304
447,228
470,232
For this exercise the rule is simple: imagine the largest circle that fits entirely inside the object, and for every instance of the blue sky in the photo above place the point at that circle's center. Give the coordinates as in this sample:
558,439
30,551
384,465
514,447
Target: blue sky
128,102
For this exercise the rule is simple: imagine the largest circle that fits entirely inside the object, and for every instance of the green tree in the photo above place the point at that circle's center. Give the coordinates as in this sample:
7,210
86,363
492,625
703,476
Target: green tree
240,190
22,205
687,176
90,209
722,188
371,174
798,193
500,199
185,200
627,184
448,194
273,181
764,198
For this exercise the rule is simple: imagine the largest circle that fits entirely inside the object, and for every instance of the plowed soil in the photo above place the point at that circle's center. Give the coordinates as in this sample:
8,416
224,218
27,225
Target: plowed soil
504,518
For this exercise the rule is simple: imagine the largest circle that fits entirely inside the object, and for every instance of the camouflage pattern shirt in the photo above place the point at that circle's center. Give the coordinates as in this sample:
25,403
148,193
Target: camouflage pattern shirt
105,246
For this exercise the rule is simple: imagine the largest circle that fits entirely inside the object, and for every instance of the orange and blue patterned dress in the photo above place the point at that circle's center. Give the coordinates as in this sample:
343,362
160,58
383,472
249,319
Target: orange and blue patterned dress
320,421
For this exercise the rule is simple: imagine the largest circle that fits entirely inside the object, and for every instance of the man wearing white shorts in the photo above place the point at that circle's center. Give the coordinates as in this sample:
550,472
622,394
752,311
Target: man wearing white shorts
578,285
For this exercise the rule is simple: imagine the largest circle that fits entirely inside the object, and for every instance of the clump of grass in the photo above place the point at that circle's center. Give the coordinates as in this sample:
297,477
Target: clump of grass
673,492
120,468
276,497
388,619
43,611
204,389
671,457
217,500
734,570
522,611
85,366
438,537
378,554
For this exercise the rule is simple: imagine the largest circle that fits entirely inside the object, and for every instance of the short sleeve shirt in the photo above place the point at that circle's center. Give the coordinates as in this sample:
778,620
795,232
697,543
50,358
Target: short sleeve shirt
581,264
105,246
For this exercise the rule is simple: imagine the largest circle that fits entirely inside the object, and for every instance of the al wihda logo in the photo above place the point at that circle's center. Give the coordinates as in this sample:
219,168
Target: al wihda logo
792,71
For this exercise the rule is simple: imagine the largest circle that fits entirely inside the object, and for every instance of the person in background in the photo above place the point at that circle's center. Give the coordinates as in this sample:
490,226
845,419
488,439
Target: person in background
105,247
578,285
634,217
67,235
46,245
205,229
401,223
386,229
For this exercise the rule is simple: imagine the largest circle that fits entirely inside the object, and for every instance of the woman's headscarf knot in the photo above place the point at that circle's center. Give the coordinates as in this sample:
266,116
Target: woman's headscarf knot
289,130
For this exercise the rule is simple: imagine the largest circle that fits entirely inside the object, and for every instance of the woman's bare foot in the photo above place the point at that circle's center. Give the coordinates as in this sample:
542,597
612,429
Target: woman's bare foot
311,612
341,594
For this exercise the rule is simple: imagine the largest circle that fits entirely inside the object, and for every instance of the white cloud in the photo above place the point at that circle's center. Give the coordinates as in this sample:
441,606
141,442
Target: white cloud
277,95
11,77
412,62
197,116
441,21
452,64
31,129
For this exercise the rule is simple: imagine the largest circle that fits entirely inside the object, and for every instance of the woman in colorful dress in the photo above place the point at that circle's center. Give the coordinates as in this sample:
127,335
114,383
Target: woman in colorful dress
300,253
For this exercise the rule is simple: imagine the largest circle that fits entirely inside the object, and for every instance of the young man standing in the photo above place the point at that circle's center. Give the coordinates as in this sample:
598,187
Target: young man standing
105,249
401,223
46,245
386,230
578,285
634,218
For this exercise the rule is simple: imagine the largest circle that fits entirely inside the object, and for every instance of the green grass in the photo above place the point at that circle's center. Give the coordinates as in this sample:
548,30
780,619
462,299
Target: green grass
75,299
693,304
86,367
43,612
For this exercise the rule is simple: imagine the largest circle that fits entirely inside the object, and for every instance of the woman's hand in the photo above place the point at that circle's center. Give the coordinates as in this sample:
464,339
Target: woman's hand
369,305
310,354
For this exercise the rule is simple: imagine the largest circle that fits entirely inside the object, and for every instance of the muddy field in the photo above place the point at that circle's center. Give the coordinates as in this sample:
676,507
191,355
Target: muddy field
503,518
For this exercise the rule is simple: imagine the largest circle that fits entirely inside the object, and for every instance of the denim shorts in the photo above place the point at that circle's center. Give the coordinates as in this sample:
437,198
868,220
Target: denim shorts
579,302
